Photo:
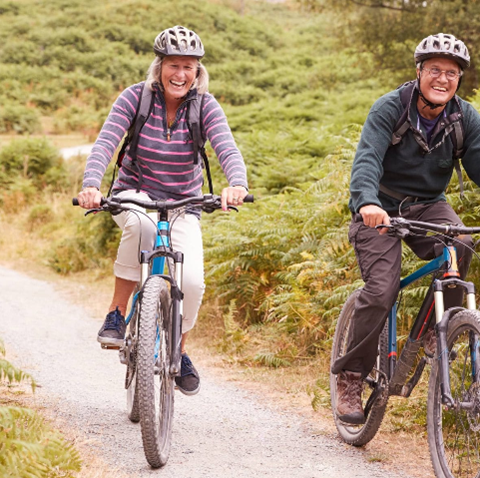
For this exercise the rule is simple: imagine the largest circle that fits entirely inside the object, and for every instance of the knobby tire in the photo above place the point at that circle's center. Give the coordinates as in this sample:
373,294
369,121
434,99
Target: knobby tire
358,435
155,385
454,434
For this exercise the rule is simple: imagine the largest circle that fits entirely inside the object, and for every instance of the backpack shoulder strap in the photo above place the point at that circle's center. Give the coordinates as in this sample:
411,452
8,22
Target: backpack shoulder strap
194,122
457,136
458,133
145,105
402,125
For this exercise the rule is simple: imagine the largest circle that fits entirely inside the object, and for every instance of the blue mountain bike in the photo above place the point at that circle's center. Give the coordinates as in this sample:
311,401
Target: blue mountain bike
453,407
152,348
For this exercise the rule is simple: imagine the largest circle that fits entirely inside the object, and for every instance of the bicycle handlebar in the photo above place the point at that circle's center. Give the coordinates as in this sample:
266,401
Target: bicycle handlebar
402,227
207,202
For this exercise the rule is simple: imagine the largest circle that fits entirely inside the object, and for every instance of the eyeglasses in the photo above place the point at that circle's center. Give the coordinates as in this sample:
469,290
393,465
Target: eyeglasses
450,74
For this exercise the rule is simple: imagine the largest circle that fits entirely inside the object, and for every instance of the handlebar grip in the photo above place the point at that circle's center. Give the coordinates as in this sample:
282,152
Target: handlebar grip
248,198
75,202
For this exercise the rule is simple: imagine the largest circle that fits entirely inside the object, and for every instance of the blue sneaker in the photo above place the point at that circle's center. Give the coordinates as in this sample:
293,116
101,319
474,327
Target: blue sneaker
112,333
189,380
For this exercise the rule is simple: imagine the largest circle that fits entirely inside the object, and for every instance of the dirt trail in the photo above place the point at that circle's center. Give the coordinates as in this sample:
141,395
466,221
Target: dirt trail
224,431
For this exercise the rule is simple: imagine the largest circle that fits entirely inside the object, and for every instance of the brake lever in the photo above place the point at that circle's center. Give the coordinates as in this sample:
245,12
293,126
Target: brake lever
114,210
395,231
94,211
384,226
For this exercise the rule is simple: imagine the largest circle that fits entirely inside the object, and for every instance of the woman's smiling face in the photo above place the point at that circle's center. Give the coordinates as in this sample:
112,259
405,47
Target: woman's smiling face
178,75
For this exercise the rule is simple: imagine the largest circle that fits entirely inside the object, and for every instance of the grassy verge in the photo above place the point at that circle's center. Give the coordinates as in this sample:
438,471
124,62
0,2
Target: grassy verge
29,445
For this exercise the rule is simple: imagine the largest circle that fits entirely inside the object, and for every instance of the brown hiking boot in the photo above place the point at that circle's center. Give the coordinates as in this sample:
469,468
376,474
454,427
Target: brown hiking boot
349,397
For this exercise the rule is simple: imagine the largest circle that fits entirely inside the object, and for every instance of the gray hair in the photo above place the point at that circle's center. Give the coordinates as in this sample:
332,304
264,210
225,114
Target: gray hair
154,75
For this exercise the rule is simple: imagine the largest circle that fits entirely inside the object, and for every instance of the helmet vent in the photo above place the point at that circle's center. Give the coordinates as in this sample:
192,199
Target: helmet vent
178,41
443,45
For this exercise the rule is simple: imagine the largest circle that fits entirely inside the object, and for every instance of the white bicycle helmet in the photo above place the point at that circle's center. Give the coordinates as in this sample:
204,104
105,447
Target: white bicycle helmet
179,41
443,45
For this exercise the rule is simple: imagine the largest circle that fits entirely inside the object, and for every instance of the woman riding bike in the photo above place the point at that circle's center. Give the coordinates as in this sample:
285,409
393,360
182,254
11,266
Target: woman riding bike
164,168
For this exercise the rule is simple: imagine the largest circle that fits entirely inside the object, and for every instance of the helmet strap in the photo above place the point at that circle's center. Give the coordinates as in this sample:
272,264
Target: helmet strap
432,106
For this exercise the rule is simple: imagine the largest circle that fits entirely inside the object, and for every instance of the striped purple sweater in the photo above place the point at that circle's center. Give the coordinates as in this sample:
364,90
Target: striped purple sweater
167,164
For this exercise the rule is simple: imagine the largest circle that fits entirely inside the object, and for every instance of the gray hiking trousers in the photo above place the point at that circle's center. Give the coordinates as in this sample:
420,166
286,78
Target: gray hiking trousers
379,259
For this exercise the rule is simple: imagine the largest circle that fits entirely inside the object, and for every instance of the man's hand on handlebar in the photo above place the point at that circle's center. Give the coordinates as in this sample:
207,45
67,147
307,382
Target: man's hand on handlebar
373,216
89,198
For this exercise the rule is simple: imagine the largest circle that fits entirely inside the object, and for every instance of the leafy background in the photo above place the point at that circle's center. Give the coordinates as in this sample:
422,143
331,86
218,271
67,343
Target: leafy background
296,81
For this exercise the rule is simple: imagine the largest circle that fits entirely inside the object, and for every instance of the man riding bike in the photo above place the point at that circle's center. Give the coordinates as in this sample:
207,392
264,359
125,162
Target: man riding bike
403,165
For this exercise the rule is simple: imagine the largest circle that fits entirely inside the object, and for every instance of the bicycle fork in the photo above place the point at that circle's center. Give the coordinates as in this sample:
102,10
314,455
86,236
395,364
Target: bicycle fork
157,260
398,371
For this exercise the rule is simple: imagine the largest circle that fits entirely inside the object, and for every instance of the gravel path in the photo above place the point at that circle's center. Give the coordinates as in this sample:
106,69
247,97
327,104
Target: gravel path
222,432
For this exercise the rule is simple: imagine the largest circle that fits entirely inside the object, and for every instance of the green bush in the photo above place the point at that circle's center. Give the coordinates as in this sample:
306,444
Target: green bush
93,246
31,160
39,215
18,119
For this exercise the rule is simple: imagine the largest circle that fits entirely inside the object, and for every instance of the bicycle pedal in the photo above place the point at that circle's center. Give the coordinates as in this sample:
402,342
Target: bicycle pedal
110,347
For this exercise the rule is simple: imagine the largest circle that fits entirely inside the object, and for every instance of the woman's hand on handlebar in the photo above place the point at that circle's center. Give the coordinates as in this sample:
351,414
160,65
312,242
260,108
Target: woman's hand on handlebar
89,198
233,196
373,216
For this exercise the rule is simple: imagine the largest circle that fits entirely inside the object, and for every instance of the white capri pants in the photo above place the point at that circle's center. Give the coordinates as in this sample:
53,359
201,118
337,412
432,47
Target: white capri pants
139,234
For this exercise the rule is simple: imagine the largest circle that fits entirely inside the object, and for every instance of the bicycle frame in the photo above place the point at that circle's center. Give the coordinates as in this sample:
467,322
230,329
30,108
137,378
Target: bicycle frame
398,370
154,263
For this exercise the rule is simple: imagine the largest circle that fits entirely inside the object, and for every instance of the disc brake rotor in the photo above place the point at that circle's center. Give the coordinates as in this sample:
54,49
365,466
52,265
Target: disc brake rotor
473,414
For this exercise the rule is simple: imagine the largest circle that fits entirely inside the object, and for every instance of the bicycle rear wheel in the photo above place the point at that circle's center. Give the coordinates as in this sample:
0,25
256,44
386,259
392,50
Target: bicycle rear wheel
454,434
359,435
154,382
131,376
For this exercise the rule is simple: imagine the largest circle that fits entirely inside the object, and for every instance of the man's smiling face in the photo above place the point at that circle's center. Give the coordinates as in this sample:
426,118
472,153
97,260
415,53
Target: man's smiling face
438,90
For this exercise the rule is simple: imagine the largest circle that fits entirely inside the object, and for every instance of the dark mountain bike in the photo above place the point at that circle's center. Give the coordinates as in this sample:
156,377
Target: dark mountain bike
152,348
453,403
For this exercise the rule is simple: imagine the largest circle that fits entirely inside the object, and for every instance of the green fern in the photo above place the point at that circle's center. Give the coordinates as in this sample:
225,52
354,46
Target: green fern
10,372
30,449
271,359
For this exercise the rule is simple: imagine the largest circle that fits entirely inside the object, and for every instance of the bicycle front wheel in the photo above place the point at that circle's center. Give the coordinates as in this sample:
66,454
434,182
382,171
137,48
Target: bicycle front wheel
359,435
154,382
454,433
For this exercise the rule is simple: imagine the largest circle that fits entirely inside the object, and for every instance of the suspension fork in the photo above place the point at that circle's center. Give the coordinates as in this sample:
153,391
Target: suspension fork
442,317
177,315
154,263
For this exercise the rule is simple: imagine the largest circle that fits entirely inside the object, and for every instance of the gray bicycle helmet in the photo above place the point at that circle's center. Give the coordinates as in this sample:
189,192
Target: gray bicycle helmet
178,41
443,45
